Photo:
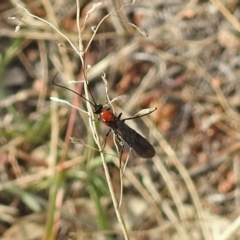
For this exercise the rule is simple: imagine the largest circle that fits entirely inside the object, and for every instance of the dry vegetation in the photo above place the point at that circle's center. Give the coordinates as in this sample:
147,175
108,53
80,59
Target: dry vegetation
179,56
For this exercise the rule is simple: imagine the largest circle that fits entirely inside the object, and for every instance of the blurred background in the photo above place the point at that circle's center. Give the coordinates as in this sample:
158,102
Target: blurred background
179,56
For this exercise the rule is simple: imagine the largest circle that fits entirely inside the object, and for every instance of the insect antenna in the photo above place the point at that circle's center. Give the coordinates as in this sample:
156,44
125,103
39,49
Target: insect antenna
91,96
94,104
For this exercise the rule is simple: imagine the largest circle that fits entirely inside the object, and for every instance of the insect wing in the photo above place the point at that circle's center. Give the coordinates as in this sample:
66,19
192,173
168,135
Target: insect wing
139,144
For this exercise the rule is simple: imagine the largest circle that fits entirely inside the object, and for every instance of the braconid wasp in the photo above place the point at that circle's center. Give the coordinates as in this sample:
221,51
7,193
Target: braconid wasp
138,143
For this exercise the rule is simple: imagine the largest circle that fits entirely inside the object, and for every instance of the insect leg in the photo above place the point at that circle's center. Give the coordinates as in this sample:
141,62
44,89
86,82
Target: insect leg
119,115
120,151
105,140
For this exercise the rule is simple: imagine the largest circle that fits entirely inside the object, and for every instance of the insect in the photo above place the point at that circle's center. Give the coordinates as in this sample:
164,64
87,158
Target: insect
138,143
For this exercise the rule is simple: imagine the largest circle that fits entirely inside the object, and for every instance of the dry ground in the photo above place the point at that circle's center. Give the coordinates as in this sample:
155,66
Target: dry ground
179,56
